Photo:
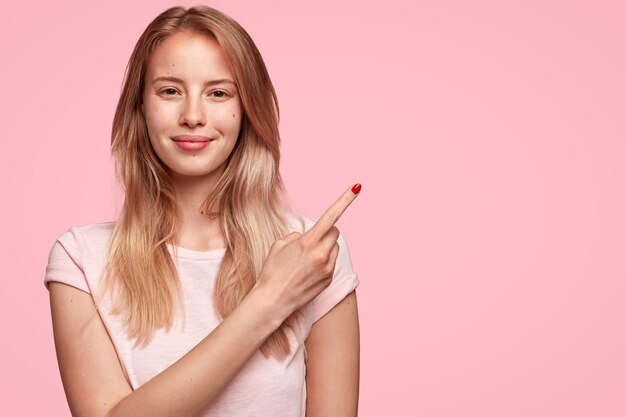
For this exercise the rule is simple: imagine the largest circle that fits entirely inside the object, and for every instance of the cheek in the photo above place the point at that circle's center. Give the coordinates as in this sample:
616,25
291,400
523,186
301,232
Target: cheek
230,119
154,123
158,118
150,112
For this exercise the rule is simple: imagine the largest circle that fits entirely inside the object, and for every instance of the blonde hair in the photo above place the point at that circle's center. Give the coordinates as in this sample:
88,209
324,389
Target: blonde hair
249,196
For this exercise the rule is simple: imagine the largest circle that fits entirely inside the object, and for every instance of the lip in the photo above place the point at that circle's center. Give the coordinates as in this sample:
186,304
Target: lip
192,146
190,138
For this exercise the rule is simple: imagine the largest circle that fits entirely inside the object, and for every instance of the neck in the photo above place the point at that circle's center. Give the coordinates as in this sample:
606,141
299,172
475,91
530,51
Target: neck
197,231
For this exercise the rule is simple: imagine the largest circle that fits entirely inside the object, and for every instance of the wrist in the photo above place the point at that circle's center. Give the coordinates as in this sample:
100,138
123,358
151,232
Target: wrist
270,311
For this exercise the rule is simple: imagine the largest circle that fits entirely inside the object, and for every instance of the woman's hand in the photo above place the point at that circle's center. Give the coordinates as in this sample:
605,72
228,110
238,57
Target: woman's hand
300,265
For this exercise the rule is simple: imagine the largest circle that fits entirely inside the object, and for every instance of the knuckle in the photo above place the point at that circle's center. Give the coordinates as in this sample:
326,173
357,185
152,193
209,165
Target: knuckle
280,242
289,238
303,243
321,258
306,242
276,244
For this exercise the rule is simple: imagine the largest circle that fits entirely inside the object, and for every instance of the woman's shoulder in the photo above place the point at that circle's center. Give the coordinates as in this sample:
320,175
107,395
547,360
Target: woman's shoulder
88,238
77,253
90,231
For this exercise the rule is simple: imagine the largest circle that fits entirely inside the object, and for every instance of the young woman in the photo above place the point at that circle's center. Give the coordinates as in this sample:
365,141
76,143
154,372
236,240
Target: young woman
208,296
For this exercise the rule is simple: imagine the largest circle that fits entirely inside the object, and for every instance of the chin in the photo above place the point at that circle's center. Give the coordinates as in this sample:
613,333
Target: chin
187,171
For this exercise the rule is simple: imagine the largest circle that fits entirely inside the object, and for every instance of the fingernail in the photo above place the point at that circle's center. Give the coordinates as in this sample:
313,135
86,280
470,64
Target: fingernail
356,188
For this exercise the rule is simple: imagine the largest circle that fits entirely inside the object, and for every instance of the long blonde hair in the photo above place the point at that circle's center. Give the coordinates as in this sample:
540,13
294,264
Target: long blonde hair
249,197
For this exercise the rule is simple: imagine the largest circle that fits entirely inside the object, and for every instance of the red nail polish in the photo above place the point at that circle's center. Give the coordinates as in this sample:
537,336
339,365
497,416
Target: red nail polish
356,188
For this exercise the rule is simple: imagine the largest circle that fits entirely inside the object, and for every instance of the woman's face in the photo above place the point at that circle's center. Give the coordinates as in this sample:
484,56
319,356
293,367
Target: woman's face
190,91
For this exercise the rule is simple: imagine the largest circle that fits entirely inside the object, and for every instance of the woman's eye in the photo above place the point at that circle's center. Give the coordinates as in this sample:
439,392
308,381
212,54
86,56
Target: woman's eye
168,89
220,94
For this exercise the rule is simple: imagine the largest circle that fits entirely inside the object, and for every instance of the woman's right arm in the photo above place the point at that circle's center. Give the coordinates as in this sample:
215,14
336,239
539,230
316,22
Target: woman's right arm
92,375
297,269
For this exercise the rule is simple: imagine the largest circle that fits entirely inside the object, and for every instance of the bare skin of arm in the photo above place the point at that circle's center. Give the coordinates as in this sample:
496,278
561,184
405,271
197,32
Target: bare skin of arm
297,269
93,378
333,356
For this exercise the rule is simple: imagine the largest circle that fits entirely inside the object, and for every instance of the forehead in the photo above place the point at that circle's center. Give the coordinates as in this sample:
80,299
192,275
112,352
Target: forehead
188,55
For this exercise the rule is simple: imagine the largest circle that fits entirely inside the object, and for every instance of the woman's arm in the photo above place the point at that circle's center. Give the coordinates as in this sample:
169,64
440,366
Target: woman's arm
93,379
332,365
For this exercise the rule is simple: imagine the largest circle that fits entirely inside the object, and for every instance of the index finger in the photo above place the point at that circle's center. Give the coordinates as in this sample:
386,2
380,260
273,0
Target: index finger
333,213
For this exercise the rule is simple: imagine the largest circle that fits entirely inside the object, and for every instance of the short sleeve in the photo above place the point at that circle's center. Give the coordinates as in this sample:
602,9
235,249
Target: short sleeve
65,261
344,281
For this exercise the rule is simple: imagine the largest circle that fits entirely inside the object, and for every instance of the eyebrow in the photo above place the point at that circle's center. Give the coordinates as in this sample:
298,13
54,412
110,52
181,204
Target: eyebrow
207,83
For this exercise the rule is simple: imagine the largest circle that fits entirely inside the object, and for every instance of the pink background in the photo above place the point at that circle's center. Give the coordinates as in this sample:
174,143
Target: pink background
490,141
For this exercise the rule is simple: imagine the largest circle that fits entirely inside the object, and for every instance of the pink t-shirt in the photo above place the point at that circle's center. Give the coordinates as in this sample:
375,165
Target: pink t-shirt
263,387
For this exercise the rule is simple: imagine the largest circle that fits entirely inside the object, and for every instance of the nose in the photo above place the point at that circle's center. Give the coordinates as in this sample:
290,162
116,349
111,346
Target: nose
192,113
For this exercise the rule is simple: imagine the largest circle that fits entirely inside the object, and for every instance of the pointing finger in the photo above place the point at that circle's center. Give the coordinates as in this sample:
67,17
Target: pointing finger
334,212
